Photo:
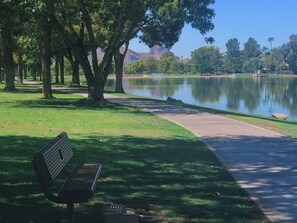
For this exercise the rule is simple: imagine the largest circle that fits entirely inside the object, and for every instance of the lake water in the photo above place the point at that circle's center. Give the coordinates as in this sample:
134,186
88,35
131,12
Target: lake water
252,95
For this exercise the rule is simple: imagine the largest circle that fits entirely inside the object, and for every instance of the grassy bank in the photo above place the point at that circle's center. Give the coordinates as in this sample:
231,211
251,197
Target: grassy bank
149,164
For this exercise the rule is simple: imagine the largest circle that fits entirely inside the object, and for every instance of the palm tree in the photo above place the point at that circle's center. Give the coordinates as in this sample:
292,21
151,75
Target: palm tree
270,39
264,50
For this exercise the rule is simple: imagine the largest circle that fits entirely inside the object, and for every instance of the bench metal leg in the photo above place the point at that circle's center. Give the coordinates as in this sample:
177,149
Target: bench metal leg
70,208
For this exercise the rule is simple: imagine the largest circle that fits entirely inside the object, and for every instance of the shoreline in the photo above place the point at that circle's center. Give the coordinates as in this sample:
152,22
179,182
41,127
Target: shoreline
144,76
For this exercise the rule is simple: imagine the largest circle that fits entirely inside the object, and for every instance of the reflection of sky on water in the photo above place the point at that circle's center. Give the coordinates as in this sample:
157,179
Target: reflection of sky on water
265,103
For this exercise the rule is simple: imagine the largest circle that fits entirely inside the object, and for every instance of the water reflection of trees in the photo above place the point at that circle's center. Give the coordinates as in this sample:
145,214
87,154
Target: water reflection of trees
206,89
235,90
252,92
284,92
159,87
233,100
249,92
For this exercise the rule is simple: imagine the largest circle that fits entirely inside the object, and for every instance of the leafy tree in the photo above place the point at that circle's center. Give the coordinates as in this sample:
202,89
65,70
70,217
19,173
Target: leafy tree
252,65
165,62
209,40
207,59
151,65
232,60
14,28
189,67
277,58
158,21
251,49
19,17
292,53
176,67
138,67
164,20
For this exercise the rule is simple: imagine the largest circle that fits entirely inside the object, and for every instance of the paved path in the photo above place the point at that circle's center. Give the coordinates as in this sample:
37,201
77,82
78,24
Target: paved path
263,162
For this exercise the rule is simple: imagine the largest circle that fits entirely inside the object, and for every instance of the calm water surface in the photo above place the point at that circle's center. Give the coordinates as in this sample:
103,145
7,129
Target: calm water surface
253,96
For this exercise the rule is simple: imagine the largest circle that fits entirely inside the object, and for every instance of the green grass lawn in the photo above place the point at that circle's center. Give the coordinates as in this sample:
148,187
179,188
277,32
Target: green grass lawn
156,167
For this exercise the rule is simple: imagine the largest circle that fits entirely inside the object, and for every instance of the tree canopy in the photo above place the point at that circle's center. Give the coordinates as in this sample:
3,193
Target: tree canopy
251,49
207,59
110,24
233,56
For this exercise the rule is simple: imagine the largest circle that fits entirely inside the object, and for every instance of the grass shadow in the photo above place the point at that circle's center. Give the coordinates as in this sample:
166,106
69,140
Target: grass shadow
165,180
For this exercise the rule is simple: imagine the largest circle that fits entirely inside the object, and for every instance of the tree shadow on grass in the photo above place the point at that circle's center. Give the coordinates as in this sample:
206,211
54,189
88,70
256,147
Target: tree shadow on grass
164,180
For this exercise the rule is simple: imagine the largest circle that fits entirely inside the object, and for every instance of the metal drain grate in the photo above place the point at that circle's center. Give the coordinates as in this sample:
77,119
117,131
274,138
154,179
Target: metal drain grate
119,214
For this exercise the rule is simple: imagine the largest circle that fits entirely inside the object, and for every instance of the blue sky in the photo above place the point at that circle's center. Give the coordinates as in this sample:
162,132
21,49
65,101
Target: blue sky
240,19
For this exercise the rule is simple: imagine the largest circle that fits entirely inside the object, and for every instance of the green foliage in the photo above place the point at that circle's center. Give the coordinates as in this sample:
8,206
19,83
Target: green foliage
176,67
138,67
277,58
207,59
209,40
199,14
251,49
168,64
165,62
167,18
292,53
252,65
232,59
151,65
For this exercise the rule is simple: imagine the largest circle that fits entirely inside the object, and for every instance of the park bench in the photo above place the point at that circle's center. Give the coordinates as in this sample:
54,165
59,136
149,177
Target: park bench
78,184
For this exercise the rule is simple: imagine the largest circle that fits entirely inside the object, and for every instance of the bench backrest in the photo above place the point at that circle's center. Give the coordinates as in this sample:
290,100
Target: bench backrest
51,159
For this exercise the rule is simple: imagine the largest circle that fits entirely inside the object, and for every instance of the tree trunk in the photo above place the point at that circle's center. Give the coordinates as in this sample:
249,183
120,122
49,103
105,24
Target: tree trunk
1,65
57,73
95,76
101,75
75,73
20,68
61,62
1,75
8,65
25,71
45,45
34,74
119,64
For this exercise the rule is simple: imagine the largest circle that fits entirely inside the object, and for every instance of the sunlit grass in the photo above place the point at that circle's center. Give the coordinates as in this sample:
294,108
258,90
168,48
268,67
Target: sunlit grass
156,167
285,127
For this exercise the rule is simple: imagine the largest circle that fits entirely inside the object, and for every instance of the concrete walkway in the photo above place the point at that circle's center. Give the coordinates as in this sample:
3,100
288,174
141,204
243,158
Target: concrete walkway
263,162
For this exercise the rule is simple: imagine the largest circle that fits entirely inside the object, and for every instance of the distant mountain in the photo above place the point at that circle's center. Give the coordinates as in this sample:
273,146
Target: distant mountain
155,52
